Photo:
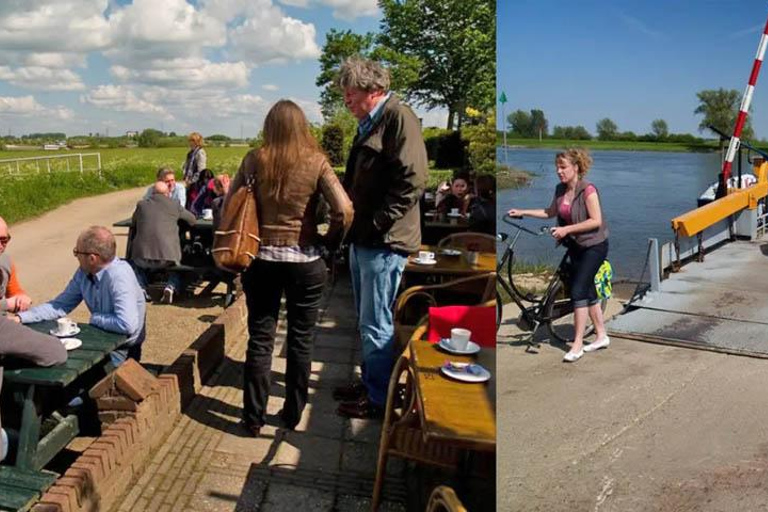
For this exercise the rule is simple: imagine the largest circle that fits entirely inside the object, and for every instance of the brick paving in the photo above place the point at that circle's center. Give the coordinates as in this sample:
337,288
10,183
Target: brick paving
208,464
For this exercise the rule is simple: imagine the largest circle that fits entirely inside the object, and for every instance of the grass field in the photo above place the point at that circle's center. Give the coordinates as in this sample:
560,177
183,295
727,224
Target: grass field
36,191
611,145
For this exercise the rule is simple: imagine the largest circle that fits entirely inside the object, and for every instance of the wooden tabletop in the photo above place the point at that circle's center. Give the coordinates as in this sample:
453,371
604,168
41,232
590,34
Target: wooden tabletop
454,265
461,413
97,344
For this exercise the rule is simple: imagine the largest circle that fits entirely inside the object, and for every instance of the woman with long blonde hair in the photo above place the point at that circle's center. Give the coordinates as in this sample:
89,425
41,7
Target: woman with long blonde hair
291,174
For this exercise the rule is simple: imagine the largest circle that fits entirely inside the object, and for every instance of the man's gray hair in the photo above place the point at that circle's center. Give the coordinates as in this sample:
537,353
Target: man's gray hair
98,240
163,172
364,74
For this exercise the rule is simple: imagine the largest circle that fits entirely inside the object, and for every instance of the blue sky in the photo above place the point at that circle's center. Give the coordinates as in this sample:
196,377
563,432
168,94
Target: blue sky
214,66
631,61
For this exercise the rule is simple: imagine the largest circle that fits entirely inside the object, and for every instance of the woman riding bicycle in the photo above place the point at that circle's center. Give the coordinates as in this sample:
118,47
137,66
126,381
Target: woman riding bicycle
581,228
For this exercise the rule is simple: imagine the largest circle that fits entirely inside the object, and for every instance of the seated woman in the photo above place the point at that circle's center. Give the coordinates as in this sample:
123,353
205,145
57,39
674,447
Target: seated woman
482,206
220,189
200,195
458,198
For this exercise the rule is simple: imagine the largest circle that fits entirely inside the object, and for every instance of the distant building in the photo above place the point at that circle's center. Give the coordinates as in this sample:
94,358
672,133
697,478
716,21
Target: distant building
131,134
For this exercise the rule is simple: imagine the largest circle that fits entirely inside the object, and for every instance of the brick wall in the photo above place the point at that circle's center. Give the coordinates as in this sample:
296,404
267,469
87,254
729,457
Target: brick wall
137,414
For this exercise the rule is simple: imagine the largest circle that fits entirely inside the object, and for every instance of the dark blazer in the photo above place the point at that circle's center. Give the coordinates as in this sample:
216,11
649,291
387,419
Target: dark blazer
155,225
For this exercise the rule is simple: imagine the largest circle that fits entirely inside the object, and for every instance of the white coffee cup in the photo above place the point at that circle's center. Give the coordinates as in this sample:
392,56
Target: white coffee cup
472,257
65,325
460,338
426,256
454,211
207,213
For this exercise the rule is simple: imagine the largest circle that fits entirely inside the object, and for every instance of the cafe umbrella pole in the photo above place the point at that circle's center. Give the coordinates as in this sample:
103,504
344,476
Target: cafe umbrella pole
733,146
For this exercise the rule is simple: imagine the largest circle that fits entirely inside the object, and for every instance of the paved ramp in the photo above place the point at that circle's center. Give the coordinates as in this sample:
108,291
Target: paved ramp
720,304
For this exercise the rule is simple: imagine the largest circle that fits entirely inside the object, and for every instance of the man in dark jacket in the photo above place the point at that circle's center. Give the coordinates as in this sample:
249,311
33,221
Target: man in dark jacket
155,243
385,176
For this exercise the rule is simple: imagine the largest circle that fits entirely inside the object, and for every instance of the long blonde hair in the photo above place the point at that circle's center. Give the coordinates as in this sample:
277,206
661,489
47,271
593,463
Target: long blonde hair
287,142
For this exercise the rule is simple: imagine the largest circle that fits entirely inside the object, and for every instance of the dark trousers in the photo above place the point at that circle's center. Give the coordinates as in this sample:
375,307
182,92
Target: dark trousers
585,262
264,283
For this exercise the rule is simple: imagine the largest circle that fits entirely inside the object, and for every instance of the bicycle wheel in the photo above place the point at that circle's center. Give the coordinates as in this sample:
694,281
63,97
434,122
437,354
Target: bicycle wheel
499,310
558,314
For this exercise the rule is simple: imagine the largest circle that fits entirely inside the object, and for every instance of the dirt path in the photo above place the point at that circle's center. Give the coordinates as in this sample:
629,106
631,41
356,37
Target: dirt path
42,251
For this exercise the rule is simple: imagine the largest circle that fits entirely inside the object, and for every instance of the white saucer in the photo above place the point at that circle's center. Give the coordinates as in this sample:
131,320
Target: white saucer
71,343
424,262
472,347
463,376
56,333
450,252
454,215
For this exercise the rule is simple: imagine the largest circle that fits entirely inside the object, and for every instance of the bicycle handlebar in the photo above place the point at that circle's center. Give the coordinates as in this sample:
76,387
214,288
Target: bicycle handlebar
544,230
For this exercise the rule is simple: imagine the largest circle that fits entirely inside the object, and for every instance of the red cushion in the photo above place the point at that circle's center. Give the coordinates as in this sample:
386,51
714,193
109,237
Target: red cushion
481,320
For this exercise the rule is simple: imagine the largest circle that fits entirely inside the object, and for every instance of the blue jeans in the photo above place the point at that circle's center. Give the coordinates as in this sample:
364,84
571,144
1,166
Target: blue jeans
120,355
142,276
376,274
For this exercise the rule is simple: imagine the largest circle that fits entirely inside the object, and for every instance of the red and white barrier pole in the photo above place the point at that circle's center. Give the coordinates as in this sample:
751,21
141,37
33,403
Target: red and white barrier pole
733,146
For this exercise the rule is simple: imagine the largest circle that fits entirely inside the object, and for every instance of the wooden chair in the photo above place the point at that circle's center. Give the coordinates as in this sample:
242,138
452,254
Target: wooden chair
444,499
413,304
478,241
400,434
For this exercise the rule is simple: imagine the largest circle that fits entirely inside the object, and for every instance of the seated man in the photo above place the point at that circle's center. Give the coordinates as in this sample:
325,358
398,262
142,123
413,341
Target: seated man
178,192
24,343
155,243
12,296
109,288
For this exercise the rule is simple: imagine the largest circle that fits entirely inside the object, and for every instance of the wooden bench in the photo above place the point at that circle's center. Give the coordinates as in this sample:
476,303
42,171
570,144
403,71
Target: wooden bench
20,489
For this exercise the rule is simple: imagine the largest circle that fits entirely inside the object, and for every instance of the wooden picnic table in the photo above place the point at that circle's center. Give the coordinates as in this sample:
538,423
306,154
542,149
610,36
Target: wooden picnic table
438,226
461,413
34,388
452,265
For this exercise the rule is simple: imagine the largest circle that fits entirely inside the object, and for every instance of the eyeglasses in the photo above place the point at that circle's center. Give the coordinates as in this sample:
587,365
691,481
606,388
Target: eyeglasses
76,253
5,239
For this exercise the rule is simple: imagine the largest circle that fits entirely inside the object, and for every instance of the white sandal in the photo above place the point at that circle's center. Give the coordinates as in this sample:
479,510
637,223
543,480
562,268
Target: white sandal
598,344
572,357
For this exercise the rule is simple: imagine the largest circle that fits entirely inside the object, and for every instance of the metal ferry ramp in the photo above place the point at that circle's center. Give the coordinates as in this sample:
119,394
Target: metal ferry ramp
709,287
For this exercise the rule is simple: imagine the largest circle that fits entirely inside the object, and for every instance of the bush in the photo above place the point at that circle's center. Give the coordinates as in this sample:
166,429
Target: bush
450,151
480,142
333,143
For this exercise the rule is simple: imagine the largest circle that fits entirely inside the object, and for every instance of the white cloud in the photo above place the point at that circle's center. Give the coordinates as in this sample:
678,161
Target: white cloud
351,9
186,73
120,99
67,26
270,87
342,9
311,109
26,106
267,35
42,78
146,30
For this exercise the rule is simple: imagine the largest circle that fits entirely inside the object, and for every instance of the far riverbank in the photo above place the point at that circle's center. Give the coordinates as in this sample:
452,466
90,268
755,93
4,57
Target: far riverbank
676,147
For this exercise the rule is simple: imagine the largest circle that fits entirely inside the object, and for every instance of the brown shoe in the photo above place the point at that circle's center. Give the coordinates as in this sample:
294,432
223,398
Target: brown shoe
350,393
251,430
362,408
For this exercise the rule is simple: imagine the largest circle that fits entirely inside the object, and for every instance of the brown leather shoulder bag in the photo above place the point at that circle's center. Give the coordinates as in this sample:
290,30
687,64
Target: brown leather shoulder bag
236,240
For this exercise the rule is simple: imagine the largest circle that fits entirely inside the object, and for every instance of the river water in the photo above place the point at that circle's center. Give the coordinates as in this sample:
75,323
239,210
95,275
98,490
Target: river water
640,192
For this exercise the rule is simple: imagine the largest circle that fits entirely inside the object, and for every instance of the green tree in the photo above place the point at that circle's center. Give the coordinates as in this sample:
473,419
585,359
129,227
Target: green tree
520,123
454,42
333,143
659,129
150,138
720,108
571,133
607,129
339,45
539,124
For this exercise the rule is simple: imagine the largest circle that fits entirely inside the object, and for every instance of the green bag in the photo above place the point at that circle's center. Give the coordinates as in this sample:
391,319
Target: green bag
603,280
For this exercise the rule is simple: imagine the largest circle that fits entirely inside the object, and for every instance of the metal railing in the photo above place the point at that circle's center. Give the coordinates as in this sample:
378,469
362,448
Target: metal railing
34,165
